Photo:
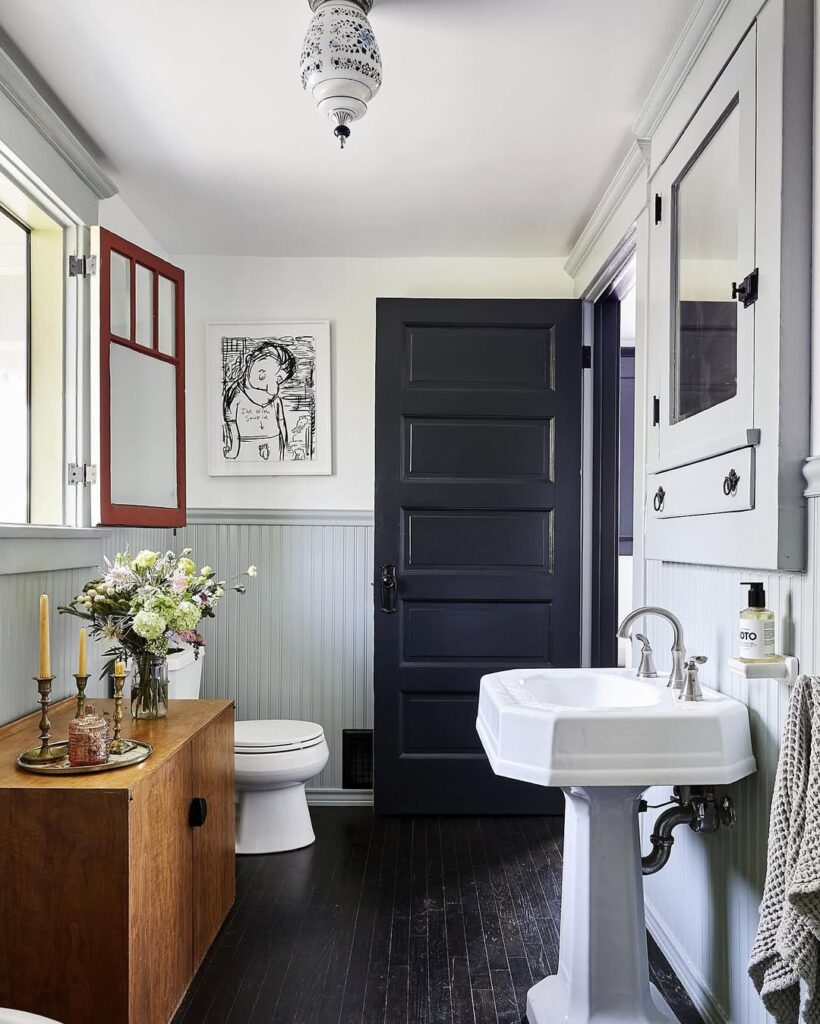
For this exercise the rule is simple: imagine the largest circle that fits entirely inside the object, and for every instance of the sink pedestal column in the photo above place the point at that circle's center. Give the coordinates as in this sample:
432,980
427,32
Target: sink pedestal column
603,966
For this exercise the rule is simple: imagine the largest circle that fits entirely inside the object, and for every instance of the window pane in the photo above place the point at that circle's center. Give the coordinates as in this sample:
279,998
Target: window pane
145,307
704,361
167,316
14,421
143,429
120,296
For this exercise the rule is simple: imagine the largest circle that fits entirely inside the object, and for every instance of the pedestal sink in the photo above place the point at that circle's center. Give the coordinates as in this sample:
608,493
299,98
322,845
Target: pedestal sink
604,737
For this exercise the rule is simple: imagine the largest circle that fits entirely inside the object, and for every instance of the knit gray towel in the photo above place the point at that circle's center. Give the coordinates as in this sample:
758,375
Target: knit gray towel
787,946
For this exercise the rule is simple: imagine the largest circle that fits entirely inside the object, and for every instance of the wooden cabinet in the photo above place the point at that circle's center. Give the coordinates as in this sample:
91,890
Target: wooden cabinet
729,308
111,892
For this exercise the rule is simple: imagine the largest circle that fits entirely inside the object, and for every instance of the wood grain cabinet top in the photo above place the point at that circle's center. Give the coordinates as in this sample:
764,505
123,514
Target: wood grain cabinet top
110,896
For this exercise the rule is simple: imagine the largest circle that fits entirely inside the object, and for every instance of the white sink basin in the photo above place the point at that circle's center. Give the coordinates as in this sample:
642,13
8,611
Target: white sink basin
605,736
605,727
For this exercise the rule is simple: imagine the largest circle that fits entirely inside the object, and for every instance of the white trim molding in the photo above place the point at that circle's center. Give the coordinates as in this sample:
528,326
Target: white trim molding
697,988
26,549
279,517
48,123
339,797
693,38
634,165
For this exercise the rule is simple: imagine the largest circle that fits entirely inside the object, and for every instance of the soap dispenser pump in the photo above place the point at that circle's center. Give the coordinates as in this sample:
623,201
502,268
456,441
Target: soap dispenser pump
756,628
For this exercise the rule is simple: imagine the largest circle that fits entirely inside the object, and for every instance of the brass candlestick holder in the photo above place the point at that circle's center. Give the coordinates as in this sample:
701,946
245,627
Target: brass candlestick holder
82,682
47,751
119,745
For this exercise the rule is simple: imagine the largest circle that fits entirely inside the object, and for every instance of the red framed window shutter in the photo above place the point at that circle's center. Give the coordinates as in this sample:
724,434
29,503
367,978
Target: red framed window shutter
141,375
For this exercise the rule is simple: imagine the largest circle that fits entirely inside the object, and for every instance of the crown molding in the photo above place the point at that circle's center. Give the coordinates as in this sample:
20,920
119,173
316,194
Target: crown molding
691,41
633,166
35,108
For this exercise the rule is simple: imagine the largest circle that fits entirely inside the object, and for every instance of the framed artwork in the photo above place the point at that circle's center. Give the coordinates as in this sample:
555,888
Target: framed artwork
269,399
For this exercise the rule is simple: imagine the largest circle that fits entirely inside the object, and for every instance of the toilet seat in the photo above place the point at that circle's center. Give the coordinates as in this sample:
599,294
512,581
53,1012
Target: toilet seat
276,736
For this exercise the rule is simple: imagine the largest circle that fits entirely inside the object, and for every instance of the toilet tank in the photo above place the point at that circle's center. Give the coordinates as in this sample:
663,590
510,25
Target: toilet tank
184,674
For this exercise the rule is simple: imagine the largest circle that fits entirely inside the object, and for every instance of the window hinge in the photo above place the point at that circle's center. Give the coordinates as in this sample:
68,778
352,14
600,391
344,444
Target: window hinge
658,208
656,411
82,266
81,474
586,357
746,291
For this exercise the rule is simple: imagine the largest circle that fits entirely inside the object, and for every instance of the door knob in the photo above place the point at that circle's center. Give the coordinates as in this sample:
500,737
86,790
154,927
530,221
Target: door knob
198,812
389,588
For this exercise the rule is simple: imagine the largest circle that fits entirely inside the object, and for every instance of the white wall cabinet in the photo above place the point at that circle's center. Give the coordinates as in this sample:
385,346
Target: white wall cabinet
728,307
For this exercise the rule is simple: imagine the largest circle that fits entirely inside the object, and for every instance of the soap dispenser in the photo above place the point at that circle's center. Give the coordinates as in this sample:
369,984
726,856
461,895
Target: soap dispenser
756,629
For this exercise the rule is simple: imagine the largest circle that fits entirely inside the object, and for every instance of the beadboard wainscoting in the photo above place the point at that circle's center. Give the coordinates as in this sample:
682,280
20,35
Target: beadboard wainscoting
703,907
19,597
298,645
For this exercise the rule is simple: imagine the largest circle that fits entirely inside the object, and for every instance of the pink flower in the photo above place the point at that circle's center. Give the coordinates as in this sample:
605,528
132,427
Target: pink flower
179,582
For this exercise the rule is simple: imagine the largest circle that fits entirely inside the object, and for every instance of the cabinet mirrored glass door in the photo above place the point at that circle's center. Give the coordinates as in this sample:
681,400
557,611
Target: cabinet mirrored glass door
704,352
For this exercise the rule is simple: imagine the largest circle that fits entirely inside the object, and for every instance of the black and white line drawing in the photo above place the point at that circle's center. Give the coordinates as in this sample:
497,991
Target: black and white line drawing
274,401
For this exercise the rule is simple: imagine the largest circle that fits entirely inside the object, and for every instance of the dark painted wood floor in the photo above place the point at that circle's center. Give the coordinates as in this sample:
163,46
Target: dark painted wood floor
418,920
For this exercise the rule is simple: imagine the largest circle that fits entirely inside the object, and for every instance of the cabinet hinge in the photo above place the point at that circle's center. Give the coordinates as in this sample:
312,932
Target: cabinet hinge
658,208
656,411
586,357
82,266
746,291
80,474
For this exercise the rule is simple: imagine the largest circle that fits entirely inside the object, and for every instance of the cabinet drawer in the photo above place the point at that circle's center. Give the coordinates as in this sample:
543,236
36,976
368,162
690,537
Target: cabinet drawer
725,483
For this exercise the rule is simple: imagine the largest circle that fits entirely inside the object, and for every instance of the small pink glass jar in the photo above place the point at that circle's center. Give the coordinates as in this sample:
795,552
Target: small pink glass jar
88,741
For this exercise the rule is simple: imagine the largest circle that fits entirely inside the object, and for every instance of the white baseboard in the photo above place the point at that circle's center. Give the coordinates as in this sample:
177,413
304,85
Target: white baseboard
340,797
691,979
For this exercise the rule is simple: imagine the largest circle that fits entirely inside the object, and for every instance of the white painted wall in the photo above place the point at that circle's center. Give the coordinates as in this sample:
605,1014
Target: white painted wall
117,216
343,291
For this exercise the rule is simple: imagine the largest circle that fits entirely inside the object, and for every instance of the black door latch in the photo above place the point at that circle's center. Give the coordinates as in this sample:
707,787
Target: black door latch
389,588
746,291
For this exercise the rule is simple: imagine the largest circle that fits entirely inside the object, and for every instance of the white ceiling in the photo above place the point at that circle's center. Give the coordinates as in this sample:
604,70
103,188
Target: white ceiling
499,124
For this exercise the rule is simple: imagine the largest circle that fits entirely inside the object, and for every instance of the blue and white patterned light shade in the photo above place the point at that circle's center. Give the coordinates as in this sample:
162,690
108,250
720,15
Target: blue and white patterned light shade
341,65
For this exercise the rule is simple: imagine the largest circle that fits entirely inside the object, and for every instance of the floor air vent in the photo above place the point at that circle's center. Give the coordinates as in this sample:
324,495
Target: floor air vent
357,758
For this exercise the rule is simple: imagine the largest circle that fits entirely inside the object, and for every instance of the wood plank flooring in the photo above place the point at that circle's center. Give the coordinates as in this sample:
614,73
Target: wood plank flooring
394,921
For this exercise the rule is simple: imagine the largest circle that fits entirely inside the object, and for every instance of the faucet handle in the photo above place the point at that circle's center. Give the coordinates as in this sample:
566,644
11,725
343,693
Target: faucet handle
691,690
646,669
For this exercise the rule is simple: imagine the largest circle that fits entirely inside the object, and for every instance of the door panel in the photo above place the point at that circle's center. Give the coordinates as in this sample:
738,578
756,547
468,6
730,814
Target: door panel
214,862
478,476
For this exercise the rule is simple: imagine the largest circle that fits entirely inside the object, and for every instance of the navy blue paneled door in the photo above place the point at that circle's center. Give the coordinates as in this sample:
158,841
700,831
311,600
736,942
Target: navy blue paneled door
478,534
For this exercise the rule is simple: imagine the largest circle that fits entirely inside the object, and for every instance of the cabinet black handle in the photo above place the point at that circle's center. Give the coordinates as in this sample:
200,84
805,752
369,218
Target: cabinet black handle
730,482
660,497
198,812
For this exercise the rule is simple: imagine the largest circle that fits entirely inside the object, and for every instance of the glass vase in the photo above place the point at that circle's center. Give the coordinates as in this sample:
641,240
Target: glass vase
149,687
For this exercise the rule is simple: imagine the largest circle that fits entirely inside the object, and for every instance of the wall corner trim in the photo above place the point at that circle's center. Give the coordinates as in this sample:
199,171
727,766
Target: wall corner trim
279,517
693,38
48,123
633,166
811,471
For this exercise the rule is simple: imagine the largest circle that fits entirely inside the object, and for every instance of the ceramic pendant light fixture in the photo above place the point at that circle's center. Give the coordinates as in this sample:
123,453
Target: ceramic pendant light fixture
341,65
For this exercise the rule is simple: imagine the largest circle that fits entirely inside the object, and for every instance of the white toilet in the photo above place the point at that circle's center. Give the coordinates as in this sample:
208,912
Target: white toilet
274,760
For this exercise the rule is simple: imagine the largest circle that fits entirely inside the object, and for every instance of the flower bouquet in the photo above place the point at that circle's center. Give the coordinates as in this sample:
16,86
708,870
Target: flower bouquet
147,607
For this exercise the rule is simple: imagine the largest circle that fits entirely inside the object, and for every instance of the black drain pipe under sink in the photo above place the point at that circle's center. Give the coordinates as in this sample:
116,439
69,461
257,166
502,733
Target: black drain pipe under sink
697,808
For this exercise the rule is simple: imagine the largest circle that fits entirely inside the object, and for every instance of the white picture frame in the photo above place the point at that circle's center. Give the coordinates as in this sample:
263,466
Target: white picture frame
269,398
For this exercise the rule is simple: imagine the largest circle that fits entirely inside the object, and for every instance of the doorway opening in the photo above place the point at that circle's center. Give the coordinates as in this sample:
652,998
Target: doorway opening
613,471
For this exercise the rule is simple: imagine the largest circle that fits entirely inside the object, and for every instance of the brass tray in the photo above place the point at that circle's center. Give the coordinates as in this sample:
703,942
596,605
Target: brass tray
140,752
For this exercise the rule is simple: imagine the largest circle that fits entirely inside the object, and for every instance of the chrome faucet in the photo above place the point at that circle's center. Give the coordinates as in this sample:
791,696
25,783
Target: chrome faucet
677,676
